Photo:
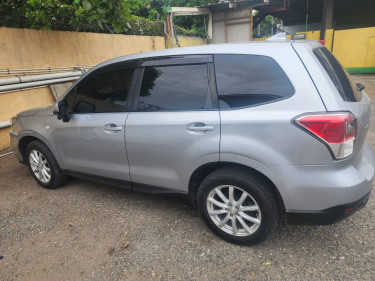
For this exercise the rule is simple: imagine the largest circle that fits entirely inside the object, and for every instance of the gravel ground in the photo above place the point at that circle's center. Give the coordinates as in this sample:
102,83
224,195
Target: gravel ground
88,231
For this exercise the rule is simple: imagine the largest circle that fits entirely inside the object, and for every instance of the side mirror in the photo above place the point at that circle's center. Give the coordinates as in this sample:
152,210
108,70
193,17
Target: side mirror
84,107
56,108
63,111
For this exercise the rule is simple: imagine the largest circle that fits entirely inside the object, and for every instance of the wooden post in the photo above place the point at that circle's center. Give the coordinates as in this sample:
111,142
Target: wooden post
169,30
173,36
251,24
167,33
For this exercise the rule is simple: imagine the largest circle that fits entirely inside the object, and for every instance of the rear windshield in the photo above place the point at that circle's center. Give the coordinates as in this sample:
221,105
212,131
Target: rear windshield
339,76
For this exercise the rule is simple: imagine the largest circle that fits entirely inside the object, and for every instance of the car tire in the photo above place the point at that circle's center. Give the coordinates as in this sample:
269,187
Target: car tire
43,166
245,223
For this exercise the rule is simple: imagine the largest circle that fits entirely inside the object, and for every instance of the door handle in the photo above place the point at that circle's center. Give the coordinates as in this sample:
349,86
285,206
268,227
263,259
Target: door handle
112,128
199,127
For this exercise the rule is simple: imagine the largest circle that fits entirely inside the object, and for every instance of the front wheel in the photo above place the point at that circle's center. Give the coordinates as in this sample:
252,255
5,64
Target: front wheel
43,165
238,206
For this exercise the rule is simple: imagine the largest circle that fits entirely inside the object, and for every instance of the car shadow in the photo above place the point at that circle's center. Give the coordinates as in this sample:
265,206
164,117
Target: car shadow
286,236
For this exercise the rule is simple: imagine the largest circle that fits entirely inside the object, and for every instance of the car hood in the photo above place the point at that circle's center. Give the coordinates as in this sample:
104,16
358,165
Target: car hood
46,110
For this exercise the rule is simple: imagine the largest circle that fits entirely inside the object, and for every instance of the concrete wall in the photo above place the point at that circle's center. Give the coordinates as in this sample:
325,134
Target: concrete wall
231,26
190,41
354,48
27,48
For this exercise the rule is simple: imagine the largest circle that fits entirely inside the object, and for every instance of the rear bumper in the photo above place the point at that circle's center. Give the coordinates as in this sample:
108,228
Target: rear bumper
319,189
327,216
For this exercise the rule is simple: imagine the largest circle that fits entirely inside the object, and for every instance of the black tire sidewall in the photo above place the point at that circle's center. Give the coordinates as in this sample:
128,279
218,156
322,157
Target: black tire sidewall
253,185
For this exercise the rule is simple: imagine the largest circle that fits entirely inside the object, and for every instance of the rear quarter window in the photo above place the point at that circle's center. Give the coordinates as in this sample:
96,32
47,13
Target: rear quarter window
339,76
249,80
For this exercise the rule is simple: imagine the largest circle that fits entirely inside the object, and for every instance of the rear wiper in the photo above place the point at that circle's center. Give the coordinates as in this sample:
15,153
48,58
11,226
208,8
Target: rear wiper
360,87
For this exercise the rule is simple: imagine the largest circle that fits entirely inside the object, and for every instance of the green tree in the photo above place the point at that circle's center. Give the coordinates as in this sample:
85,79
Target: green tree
13,13
194,23
266,26
79,15
120,16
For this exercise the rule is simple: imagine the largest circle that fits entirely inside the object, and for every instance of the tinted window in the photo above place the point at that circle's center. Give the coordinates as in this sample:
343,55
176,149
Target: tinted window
247,80
105,92
179,87
339,76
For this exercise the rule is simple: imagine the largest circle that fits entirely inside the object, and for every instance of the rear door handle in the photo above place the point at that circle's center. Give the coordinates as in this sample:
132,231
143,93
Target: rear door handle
112,128
201,127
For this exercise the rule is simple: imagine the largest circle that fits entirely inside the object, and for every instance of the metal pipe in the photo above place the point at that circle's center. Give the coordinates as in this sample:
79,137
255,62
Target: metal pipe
34,71
37,83
4,124
25,79
45,69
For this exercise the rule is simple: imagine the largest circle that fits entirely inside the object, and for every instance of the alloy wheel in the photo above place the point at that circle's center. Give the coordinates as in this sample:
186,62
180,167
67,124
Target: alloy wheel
234,210
40,166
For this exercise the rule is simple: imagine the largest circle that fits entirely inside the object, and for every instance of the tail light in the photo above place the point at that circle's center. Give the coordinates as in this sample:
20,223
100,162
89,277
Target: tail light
337,131
322,42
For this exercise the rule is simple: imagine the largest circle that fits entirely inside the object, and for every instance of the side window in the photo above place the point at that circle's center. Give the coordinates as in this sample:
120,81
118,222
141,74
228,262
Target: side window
339,76
248,80
105,92
178,87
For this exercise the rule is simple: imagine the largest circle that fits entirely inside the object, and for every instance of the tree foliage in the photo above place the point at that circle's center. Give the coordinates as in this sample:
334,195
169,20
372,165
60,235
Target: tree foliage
79,15
266,28
13,13
139,17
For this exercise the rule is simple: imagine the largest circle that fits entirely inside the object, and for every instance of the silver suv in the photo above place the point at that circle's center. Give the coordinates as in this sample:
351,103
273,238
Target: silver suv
250,132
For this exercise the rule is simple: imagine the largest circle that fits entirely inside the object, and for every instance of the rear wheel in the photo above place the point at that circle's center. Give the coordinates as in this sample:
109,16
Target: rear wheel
43,165
238,206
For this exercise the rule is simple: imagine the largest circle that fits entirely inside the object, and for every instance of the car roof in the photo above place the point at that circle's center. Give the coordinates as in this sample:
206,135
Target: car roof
258,47
231,48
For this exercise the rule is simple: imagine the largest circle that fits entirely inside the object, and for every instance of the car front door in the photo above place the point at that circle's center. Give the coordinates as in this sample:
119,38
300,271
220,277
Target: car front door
92,142
174,126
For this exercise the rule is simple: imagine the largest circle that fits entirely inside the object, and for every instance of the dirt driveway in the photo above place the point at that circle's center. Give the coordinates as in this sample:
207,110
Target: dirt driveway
89,231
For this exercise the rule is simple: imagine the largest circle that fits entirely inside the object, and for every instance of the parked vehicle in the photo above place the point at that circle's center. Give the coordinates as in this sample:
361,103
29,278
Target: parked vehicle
250,132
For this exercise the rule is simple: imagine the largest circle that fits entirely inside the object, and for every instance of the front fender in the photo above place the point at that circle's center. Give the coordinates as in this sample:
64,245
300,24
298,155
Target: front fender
39,127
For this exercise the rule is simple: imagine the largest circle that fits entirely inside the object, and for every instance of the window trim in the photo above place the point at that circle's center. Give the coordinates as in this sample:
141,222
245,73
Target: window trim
119,66
177,60
181,61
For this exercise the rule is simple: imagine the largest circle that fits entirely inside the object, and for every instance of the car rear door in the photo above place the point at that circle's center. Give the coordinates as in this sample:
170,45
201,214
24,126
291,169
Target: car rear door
174,126
92,142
